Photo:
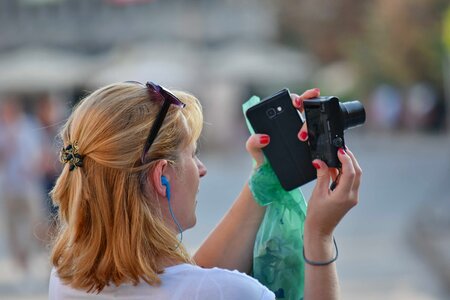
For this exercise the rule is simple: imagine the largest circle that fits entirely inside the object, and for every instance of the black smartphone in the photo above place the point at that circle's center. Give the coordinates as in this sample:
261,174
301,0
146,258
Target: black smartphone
289,157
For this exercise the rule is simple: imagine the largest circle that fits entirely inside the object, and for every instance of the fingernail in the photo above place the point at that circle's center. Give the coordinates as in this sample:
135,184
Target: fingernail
316,165
342,151
298,102
265,139
317,90
303,135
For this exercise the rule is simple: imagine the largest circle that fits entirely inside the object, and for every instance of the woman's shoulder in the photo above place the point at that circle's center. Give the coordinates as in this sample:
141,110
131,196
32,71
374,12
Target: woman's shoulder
212,273
223,283
207,273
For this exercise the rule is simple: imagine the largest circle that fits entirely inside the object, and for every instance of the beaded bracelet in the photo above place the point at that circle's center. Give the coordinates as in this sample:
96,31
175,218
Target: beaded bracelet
322,263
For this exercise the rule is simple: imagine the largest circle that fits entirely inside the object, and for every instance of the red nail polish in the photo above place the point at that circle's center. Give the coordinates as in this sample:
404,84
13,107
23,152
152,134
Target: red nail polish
317,90
303,135
342,151
298,102
265,139
316,165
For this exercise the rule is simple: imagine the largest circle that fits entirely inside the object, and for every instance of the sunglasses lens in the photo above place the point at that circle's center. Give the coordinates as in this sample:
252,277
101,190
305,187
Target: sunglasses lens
167,95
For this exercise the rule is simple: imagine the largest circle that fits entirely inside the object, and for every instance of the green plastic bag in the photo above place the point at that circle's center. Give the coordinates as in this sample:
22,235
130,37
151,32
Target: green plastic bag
277,255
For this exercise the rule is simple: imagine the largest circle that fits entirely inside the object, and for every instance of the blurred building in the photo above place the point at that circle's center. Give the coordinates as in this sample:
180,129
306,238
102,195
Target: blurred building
222,51
97,25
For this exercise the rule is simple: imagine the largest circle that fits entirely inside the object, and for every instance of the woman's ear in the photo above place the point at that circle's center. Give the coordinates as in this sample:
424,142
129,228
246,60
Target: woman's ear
154,177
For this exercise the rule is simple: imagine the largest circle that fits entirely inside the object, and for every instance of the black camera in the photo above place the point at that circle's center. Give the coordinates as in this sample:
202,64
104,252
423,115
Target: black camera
327,118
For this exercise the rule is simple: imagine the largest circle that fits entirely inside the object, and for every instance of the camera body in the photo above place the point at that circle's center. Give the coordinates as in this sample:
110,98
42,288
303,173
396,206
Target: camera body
327,119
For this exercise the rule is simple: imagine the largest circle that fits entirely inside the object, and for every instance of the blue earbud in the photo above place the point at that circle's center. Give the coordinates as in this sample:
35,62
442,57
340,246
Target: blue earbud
166,183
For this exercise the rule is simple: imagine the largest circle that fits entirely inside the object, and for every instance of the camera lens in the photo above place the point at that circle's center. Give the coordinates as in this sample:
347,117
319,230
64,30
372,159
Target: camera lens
271,113
353,114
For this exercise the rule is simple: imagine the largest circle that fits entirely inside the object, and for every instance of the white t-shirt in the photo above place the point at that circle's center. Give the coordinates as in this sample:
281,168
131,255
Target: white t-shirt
181,282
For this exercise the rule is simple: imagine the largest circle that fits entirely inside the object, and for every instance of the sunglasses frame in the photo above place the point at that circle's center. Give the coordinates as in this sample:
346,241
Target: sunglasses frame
168,99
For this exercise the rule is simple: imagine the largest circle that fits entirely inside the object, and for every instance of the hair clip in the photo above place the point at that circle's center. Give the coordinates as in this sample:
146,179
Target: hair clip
70,155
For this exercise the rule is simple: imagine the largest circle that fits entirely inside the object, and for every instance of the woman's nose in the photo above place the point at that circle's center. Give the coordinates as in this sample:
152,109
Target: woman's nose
201,169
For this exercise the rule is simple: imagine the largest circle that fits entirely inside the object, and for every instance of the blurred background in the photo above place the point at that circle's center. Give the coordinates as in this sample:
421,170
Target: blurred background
393,55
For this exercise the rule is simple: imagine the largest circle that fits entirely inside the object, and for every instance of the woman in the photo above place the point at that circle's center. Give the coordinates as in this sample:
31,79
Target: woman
129,187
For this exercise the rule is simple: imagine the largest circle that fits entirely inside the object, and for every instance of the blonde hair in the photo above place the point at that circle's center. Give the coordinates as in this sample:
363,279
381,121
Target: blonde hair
111,228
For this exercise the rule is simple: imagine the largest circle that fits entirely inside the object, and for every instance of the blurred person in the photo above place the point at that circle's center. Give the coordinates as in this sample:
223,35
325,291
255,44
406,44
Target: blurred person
421,107
49,115
386,96
129,186
20,157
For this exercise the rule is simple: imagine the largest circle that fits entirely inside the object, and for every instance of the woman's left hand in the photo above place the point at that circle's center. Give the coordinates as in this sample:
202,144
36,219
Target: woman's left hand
254,146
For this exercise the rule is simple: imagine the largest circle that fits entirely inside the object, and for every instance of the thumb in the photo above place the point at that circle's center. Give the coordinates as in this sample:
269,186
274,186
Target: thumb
254,145
323,176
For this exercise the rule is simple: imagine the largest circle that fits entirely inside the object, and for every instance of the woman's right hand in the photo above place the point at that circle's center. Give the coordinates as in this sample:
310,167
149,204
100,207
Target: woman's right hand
327,207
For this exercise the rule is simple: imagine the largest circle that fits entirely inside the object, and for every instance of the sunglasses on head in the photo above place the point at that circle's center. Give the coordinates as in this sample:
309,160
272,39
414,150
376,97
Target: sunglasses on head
159,92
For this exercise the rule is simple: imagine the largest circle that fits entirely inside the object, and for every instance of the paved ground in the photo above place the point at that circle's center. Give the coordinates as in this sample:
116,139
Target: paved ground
392,245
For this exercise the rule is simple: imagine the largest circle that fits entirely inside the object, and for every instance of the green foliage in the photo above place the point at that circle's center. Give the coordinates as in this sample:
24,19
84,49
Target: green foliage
387,41
446,30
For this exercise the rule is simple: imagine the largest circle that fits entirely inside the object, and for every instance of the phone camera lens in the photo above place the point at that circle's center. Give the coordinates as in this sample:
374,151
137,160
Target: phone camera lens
271,113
